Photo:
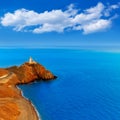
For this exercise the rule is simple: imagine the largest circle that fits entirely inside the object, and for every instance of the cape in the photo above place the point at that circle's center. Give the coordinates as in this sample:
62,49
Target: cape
13,106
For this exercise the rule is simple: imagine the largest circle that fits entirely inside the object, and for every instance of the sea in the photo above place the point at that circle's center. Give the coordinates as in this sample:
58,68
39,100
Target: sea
87,87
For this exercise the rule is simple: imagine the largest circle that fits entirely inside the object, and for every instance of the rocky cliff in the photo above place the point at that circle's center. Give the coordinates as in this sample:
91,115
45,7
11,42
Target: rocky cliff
29,72
12,104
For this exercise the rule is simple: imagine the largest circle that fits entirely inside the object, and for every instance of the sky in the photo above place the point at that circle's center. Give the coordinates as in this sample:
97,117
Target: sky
51,23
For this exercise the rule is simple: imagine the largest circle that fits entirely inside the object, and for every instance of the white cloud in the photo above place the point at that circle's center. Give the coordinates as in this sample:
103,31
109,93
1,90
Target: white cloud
89,14
94,19
96,26
98,8
110,8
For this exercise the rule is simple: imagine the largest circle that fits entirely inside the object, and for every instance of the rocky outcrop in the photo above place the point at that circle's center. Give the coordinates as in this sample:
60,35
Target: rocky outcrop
29,72
12,104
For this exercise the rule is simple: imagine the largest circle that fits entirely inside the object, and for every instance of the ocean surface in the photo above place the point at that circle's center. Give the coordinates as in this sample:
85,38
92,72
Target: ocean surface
87,87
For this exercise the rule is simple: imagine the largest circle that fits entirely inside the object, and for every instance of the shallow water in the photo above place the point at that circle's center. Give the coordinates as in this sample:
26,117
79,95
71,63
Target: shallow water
87,87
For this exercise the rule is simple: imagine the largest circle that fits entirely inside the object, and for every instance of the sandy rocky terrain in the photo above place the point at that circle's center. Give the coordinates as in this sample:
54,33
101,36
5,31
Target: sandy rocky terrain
13,106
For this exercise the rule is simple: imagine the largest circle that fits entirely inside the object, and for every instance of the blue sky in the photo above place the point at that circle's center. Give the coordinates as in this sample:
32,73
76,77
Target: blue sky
51,23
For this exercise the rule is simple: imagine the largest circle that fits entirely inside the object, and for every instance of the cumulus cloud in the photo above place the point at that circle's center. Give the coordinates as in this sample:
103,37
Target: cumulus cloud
110,8
96,26
94,19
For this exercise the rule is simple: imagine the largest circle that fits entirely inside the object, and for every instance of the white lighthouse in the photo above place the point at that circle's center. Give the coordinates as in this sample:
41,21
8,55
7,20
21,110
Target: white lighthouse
31,61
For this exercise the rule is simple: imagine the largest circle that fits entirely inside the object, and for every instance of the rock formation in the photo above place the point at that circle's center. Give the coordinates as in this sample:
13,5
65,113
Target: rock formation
12,105
29,72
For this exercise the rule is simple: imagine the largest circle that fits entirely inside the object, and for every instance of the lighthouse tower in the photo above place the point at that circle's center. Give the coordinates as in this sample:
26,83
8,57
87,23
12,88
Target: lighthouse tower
31,61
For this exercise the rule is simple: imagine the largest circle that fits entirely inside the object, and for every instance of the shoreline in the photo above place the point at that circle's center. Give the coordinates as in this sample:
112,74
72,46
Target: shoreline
14,106
25,103
34,108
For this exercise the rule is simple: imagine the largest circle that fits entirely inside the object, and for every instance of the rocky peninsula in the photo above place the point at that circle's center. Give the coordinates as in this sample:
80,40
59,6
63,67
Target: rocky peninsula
13,106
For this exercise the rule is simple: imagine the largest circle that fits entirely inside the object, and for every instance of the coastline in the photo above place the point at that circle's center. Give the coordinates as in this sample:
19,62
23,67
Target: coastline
34,108
14,106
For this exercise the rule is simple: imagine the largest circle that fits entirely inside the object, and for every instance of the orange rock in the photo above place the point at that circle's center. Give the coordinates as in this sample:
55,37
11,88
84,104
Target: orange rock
3,72
12,105
28,72
9,110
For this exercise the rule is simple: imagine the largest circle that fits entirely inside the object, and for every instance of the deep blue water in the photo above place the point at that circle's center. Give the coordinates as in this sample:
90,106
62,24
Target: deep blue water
87,87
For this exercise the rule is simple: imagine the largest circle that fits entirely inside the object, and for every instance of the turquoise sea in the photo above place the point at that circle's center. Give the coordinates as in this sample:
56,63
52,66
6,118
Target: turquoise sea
87,87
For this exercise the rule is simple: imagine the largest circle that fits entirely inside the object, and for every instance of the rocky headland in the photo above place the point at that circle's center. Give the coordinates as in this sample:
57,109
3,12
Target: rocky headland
13,106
